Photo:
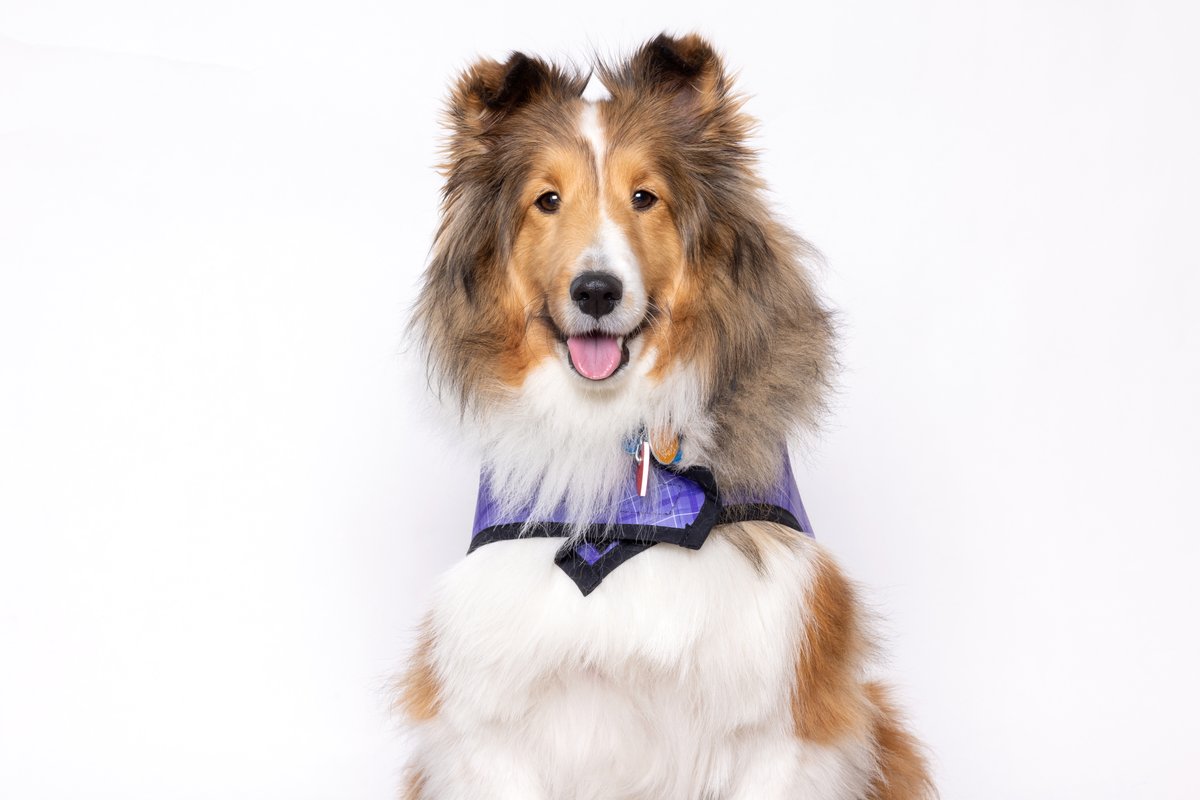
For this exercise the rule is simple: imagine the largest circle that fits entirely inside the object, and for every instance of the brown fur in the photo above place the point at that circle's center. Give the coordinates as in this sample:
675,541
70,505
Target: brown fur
757,323
728,285
828,702
414,786
831,702
903,772
418,690
500,116
752,539
729,293
745,542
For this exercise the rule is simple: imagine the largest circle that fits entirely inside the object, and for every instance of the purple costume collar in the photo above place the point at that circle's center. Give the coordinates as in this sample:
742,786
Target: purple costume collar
681,507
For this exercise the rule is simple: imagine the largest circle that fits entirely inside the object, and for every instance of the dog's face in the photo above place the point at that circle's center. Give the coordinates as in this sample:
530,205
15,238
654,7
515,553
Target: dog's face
611,266
598,250
565,236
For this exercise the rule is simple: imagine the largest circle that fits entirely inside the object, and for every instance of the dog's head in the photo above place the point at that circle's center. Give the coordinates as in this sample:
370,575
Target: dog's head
610,266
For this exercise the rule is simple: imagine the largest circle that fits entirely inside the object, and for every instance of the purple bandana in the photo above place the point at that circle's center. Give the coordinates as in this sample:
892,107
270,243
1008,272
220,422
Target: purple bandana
680,508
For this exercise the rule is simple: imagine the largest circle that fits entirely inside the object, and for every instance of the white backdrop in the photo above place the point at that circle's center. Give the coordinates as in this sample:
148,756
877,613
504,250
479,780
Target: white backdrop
221,503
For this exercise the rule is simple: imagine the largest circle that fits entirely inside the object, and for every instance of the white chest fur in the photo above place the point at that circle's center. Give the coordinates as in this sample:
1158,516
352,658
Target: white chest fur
670,680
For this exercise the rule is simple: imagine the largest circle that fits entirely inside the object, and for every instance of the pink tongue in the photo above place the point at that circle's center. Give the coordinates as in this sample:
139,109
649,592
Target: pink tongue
595,357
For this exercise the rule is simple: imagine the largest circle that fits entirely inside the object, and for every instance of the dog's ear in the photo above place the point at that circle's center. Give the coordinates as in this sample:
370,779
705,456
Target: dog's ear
489,91
686,68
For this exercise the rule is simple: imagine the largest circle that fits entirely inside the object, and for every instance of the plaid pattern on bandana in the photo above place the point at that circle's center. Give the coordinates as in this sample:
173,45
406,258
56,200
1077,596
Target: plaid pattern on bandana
680,508
671,501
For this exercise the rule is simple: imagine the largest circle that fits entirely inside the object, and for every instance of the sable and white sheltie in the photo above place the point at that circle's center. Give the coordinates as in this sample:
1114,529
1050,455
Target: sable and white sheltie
604,271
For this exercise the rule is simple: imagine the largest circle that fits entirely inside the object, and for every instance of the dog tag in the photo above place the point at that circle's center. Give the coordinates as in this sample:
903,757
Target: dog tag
666,448
643,467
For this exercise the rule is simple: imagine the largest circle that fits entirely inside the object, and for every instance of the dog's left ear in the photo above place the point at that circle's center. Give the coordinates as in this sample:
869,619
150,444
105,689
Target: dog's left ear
686,68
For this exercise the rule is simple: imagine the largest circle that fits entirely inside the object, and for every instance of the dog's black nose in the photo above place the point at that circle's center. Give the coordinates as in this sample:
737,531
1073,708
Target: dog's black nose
596,293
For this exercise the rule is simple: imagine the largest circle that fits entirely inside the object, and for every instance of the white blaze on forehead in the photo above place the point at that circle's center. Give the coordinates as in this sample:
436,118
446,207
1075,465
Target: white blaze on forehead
610,250
593,132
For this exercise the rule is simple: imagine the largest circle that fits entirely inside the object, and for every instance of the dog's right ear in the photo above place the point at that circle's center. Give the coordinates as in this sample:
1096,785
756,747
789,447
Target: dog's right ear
489,91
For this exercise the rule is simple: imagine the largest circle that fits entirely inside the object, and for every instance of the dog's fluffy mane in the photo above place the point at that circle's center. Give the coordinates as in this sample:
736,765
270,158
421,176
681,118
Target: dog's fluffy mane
752,362
734,670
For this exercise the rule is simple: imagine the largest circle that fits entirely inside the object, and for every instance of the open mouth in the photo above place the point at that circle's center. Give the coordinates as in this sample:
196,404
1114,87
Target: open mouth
597,356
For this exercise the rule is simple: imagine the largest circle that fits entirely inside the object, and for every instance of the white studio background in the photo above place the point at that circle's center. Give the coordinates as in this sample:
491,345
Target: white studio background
222,502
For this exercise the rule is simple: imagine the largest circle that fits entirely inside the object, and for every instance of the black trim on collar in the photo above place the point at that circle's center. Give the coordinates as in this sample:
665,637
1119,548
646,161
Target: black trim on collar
633,539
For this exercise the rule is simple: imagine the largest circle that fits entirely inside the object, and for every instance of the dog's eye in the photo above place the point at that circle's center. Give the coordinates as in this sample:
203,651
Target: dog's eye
549,202
643,199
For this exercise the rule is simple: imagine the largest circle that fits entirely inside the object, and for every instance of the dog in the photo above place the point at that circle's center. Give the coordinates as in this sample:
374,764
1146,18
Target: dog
632,337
